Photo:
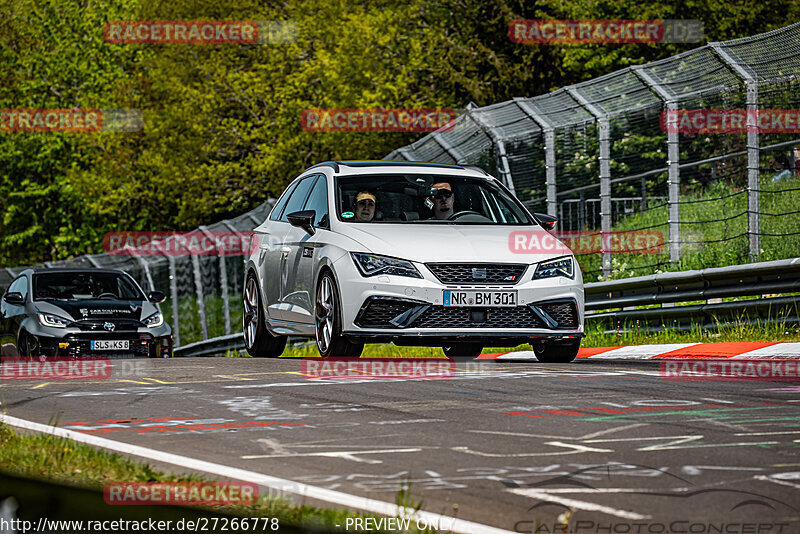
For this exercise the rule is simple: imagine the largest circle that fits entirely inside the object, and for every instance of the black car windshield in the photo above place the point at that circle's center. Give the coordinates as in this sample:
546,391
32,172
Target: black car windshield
426,199
84,285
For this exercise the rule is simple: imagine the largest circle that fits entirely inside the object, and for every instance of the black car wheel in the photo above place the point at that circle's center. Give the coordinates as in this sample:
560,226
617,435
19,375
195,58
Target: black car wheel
257,340
329,323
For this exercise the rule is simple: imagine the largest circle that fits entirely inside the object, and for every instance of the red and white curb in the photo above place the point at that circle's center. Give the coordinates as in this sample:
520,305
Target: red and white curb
740,350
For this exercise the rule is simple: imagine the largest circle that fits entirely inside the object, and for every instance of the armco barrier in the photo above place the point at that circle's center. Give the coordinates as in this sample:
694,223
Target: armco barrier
613,304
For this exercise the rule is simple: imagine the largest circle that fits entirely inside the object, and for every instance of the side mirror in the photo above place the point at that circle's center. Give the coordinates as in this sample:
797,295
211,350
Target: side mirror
303,219
548,222
14,299
156,296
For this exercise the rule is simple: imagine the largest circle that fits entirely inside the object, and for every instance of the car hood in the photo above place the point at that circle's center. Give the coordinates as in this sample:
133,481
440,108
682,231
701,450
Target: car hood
97,309
456,243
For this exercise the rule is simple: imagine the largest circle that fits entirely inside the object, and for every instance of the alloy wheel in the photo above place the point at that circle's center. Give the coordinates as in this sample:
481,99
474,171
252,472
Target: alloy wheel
324,313
250,316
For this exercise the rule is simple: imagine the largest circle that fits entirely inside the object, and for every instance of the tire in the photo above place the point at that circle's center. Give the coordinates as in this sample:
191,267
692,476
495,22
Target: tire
257,340
328,321
557,351
463,350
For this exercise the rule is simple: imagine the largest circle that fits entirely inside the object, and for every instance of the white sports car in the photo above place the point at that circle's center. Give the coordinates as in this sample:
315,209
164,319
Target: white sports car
412,253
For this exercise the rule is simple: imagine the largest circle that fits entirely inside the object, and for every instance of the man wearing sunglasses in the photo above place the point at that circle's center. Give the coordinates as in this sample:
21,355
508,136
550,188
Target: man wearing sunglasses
442,200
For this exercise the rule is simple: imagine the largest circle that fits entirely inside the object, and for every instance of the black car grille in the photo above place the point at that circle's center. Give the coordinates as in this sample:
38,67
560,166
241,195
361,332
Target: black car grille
447,317
473,273
120,325
379,313
565,313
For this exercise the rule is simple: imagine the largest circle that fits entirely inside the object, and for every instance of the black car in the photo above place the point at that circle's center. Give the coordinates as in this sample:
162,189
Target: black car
82,312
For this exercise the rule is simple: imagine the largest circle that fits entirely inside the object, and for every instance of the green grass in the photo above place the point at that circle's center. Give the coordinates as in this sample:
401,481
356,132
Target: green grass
55,459
710,254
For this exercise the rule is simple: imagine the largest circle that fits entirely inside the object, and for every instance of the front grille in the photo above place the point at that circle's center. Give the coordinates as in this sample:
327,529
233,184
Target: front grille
378,313
447,317
473,273
565,313
120,325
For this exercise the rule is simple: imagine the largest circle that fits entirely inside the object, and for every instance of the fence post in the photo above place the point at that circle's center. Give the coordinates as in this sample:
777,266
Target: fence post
549,152
173,293
503,167
673,163
604,126
753,148
201,301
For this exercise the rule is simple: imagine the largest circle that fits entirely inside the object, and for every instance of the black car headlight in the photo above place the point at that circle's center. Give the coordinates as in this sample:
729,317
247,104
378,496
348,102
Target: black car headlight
558,267
53,321
372,265
154,320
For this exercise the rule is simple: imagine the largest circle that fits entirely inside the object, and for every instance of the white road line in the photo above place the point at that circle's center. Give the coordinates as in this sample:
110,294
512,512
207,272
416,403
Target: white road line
547,496
282,485
777,481
345,455
639,352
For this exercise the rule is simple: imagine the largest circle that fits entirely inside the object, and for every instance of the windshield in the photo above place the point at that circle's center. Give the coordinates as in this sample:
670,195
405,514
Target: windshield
83,286
426,198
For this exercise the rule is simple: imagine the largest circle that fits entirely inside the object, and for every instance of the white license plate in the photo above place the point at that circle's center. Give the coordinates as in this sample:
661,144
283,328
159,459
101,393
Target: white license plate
472,298
110,344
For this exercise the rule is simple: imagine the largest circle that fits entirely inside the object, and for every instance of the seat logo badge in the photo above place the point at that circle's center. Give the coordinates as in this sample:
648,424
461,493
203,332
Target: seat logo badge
478,273
109,326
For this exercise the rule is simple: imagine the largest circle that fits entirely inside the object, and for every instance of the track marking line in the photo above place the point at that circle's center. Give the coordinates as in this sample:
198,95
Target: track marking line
576,449
777,481
134,381
577,438
547,496
41,385
159,381
233,377
347,500
344,455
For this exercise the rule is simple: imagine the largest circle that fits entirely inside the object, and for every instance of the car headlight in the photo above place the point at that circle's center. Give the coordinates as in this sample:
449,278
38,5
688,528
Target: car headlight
53,321
558,267
372,265
154,320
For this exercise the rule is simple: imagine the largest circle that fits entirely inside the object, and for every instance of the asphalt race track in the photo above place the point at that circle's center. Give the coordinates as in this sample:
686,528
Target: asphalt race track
513,445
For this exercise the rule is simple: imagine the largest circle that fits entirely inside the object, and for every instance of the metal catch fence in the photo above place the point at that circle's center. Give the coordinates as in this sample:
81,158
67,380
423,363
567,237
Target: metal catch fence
598,156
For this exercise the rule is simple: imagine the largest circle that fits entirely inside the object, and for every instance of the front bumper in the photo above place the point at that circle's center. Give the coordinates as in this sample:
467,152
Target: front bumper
411,311
77,344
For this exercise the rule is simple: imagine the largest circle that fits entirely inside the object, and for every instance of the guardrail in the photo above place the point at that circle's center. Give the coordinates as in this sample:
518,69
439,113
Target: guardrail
614,303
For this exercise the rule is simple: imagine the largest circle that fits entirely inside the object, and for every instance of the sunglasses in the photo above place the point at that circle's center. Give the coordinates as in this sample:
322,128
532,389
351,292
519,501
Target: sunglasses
443,193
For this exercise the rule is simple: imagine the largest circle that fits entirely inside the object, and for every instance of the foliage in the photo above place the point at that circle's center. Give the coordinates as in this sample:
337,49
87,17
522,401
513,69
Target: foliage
221,122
